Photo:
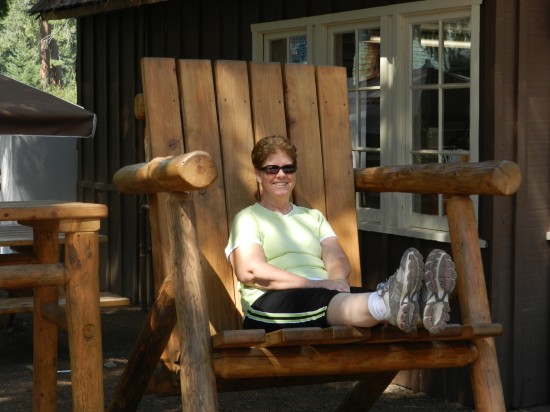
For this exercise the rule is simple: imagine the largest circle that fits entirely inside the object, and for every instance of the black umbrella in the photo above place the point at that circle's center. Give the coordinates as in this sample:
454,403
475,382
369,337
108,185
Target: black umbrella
26,111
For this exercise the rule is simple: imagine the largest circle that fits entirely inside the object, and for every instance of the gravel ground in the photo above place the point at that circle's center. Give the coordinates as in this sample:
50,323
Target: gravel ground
120,328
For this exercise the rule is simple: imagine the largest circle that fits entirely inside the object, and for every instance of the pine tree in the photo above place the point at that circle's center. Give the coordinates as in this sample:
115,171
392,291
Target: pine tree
39,53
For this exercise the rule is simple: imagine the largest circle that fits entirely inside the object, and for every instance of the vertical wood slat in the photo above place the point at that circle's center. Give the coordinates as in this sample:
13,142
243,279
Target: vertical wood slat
302,117
237,138
337,162
200,125
266,99
175,212
102,107
87,99
163,137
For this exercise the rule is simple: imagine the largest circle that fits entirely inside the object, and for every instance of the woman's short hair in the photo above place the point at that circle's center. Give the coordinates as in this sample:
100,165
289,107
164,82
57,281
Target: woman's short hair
269,145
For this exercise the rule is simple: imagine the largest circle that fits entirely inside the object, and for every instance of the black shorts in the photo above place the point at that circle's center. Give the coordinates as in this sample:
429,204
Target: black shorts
291,308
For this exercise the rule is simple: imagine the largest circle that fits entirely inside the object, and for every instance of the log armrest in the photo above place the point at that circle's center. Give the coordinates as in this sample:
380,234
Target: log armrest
187,172
484,178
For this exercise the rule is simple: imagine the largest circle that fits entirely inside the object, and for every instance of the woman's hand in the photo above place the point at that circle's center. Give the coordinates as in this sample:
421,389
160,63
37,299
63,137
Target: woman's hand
340,285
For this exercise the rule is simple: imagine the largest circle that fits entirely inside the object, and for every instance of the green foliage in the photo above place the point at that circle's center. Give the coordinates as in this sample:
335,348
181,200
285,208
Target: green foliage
20,48
3,8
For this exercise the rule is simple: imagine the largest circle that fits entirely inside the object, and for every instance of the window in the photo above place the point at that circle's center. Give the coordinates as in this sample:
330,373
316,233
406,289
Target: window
289,49
413,90
358,50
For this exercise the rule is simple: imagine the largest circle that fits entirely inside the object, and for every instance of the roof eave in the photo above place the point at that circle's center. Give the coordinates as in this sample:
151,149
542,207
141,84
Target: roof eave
84,10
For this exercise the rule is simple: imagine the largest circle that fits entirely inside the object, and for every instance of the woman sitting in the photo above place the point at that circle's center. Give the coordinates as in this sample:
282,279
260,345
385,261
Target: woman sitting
293,272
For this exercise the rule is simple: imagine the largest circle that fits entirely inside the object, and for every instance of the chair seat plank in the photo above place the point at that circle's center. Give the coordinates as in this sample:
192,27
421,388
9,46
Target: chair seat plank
482,330
293,337
345,334
452,332
238,338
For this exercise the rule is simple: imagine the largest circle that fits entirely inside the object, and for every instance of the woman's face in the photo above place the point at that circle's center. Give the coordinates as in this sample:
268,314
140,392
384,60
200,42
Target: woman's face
278,185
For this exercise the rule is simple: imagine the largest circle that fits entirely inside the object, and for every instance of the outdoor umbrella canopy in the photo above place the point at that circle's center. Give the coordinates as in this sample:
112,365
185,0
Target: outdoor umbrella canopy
26,111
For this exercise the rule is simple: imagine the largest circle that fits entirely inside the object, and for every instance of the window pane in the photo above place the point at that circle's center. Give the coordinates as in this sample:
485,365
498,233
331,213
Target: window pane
359,52
354,108
291,49
457,35
456,119
425,46
277,50
368,67
425,119
371,118
298,49
344,52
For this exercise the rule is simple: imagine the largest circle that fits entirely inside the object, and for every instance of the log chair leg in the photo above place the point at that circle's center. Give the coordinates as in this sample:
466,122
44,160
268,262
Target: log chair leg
366,392
474,303
84,321
197,377
45,333
146,353
162,270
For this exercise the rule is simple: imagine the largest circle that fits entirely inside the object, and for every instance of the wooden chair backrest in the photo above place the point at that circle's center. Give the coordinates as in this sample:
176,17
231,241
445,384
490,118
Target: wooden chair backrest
222,108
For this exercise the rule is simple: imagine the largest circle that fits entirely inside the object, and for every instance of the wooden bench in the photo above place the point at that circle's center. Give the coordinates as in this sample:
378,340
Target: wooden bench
20,238
78,275
202,119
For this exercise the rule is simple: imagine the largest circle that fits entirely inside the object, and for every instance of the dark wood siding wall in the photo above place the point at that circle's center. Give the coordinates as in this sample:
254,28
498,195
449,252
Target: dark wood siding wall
516,112
532,252
108,79
514,125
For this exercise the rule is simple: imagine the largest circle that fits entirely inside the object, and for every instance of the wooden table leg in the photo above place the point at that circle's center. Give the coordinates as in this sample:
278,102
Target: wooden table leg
83,320
45,333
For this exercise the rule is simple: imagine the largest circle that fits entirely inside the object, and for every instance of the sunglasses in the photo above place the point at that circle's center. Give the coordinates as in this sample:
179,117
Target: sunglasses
273,169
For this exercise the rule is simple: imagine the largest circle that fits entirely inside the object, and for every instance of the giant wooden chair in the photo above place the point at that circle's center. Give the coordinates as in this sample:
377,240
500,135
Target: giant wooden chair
202,119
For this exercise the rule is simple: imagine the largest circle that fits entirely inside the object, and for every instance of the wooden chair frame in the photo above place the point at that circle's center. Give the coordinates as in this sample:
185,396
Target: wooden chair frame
219,109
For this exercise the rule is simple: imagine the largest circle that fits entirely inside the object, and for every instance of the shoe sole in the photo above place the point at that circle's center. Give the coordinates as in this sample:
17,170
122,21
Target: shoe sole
412,267
440,281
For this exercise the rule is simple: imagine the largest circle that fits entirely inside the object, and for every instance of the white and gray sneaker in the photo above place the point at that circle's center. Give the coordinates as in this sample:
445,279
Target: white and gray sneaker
438,282
401,290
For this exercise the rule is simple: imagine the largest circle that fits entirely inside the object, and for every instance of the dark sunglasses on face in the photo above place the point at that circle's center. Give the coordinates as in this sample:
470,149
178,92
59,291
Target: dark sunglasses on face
273,169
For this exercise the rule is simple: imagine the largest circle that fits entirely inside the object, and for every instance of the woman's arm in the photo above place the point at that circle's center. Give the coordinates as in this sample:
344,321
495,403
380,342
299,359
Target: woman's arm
336,263
251,268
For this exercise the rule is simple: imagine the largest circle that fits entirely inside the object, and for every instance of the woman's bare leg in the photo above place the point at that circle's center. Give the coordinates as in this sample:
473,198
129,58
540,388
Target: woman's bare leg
350,309
398,296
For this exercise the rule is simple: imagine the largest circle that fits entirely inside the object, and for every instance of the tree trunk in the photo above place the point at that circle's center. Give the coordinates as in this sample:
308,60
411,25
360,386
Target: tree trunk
48,51
44,53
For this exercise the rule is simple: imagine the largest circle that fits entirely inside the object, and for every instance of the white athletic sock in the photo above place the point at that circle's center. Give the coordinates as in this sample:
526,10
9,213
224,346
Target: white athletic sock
377,306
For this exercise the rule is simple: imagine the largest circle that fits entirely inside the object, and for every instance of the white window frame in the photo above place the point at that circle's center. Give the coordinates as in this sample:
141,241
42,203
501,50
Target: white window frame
395,213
